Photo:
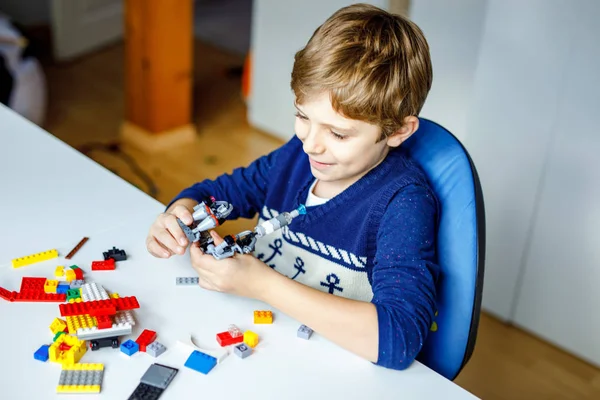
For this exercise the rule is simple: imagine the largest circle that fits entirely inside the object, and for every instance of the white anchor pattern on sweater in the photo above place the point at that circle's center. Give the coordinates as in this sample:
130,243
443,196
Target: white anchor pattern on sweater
313,263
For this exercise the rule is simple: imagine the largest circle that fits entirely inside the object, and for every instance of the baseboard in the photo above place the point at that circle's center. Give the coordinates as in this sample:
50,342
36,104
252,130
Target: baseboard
150,142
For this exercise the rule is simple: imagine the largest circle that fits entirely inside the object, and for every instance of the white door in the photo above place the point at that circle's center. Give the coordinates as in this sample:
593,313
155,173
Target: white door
81,26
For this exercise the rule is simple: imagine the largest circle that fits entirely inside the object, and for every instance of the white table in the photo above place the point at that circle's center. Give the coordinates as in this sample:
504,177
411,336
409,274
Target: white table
282,365
52,196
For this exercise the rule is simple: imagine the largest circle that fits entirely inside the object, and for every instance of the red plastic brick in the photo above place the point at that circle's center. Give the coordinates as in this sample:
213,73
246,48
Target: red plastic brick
36,296
6,295
99,307
29,283
145,339
104,322
225,339
107,265
78,274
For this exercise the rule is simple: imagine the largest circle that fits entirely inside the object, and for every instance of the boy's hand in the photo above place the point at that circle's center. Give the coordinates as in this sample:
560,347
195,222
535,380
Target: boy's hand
166,236
242,274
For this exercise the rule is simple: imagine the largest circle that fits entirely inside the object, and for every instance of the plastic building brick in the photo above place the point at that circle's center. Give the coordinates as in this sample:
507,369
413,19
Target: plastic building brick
189,342
73,294
96,333
114,295
130,347
81,378
304,332
108,265
77,322
57,335
159,376
97,344
34,258
6,295
32,284
242,350
263,317
155,349
104,322
58,325
146,337
115,254
42,353
76,248
59,271
62,288
78,272
91,291
234,331
225,339
50,286
201,362
187,281
99,307
250,338
76,350
76,284
146,392
34,297
70,275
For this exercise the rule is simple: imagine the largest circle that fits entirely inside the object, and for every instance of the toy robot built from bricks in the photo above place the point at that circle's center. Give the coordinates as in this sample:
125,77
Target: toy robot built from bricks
211,213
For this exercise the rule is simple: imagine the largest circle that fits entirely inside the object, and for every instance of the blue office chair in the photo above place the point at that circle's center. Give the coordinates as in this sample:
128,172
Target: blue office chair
460,246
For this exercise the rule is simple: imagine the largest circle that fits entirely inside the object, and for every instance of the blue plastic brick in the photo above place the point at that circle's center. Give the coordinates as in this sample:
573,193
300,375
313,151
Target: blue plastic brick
61,288
42,353
201,362
130,347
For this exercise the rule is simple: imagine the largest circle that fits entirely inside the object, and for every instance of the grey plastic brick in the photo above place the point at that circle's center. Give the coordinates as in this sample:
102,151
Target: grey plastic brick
242,350
159,375
186,281
304,332
76,284
83,377
155,349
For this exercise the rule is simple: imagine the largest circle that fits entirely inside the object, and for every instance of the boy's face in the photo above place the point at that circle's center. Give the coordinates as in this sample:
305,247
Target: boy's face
340,150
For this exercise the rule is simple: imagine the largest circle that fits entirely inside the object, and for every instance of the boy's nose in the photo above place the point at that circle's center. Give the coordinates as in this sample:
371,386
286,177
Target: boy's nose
312,144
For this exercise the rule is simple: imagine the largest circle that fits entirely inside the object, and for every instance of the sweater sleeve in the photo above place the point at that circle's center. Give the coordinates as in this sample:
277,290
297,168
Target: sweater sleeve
404,275
245,187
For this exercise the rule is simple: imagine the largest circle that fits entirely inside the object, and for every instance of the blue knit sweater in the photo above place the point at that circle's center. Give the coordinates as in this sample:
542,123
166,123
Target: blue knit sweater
373,242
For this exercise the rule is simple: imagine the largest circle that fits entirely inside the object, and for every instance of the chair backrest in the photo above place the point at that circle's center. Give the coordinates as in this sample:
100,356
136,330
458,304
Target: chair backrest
460,246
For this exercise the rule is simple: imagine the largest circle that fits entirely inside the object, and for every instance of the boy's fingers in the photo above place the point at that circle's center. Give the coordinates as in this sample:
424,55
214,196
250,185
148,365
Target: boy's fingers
183,214
216,237
164,237
156,249
175,230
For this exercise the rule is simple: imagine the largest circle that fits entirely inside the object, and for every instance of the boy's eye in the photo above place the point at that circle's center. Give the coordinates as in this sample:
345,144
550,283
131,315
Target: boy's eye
298,115
338,136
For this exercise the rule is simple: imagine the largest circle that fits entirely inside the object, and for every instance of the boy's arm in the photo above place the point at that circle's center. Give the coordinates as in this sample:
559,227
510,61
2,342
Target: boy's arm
390,330
245,187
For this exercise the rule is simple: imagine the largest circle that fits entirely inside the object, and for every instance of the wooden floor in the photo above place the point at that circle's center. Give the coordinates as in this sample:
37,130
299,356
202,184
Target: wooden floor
86,106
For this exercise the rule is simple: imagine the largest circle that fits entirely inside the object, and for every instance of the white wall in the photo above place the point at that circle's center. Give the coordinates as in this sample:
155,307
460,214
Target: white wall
453,30
279,29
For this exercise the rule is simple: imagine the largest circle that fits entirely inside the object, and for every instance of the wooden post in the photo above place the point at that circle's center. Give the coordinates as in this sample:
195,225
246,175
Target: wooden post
158,73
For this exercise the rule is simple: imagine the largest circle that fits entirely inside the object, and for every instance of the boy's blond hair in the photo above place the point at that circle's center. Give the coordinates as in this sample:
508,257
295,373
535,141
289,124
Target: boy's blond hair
375,65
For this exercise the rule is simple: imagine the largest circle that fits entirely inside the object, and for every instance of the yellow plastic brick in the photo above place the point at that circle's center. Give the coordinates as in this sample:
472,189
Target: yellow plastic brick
50,286
67,357
250,338
59,271
80,321
34,258
58,325
70,275
263,317
78,389
114,296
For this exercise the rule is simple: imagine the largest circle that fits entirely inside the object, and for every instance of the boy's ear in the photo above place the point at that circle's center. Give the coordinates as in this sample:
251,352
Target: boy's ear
411,124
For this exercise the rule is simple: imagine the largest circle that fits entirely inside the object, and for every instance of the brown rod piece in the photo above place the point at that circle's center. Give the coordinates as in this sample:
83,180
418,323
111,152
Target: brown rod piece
76,249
